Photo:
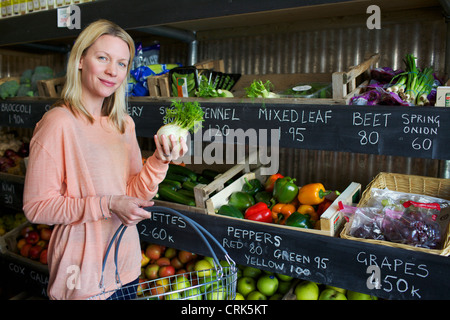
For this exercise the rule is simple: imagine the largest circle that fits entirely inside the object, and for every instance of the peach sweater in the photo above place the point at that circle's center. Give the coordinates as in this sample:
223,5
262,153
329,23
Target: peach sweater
72,164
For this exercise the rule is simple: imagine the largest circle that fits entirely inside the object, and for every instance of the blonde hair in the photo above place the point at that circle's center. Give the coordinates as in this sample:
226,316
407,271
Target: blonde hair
114,106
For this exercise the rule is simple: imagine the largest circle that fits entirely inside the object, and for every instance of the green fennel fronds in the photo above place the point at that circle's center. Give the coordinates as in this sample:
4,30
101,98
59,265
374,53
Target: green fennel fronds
187,115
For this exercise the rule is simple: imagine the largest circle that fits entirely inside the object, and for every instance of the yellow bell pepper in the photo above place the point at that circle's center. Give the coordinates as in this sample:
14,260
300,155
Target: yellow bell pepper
312,194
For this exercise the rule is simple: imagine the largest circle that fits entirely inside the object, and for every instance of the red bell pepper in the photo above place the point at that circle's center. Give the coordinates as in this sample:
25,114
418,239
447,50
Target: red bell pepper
259,212
271,181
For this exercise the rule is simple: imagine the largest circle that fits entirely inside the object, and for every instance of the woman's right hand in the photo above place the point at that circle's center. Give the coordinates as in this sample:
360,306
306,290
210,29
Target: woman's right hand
130,210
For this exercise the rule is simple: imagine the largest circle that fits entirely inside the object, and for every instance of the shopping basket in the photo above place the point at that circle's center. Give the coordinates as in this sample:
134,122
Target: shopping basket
218,283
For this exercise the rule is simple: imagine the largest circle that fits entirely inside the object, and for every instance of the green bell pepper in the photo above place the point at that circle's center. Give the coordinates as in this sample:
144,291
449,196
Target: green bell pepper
241,200
266,197
230,211
299,220
252,187
285,190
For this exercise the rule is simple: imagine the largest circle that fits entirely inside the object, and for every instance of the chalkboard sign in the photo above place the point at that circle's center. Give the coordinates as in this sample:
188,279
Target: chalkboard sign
22,113
11,191
383,271
420,132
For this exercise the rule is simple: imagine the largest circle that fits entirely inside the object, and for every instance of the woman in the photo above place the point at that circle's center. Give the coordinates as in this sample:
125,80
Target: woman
85,174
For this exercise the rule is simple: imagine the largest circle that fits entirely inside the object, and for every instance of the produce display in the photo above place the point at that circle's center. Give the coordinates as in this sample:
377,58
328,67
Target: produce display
27,85
308,290
10,221
172,274
33,241
183,81
279,200
180,181
410,87
399,217
256,284
259,89
161,265
308,90
12,151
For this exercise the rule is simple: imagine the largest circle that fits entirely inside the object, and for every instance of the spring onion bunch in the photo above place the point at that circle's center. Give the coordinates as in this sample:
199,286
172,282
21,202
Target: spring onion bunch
180,119
413,85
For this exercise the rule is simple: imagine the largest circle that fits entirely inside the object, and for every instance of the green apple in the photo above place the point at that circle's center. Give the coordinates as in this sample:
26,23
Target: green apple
276,296
284,286
239,296
256,295
180,283
307,290
331,294
173,296
353,295
217,293
284,277
251,272
210,260
336,288
245,285
208,281
224,263
192,294
203,268
267,284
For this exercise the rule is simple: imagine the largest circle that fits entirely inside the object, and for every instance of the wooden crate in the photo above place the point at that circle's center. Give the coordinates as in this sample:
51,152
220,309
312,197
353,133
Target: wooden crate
3,80
158,86
8,247
51,88
202,192
216,65
330,223
345,85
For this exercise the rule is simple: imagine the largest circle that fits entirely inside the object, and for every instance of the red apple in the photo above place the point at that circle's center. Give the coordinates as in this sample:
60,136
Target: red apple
166,271
46,233
32,237
176,263
151,271
157,290
181,271
43,257
190,266
153,251
163,261
24,251
35,252
25,230
186,256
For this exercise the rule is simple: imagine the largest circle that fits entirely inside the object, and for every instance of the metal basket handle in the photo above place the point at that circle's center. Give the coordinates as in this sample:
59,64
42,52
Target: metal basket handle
200,230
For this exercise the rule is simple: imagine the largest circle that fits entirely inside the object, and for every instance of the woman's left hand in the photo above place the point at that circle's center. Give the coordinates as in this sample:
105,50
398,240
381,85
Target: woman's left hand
167,154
